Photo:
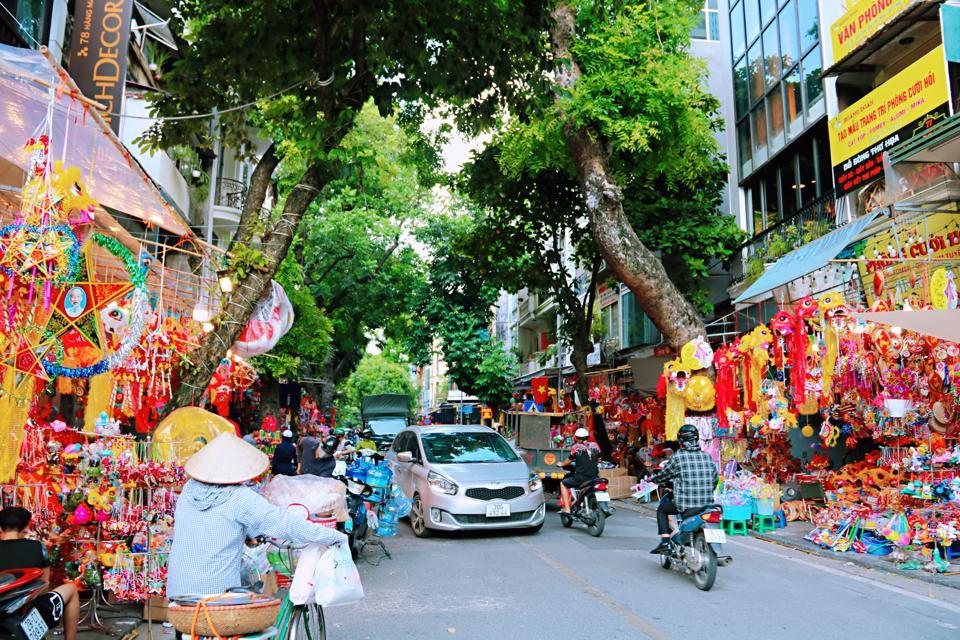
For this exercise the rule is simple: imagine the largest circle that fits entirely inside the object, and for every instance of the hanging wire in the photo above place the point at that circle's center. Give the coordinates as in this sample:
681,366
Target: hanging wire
23,28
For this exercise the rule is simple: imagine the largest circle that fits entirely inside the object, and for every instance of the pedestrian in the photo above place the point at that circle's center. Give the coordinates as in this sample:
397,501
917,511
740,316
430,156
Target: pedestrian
60,605
285,456
318,455
216,514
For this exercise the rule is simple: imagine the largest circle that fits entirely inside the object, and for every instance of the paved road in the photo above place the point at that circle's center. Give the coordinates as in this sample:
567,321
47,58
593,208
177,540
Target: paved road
562,583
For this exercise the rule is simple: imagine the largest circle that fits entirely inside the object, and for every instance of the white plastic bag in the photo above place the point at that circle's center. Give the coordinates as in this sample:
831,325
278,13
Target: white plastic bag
318,495
336,580
302,585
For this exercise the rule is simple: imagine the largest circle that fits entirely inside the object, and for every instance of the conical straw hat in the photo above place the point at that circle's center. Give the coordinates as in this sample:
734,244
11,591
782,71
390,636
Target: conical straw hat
227,460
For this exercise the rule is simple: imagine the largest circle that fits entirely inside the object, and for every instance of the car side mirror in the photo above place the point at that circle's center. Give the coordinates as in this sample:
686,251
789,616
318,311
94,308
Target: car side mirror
404,456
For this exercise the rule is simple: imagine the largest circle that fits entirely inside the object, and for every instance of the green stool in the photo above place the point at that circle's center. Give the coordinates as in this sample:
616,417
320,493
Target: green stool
763,524
735,527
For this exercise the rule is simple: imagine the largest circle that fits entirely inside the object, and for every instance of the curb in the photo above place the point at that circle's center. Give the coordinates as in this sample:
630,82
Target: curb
811,549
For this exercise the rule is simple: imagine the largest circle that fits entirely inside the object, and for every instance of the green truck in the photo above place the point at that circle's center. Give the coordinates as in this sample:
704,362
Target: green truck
386,414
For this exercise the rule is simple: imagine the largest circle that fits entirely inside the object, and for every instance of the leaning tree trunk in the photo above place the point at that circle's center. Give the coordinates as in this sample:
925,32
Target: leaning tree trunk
633,263
247,291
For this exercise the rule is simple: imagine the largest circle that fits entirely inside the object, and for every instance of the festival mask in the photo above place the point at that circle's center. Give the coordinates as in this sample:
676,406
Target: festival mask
700,394
782,323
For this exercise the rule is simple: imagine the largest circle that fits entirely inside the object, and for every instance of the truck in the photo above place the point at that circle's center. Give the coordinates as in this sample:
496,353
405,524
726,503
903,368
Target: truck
533,435
386,414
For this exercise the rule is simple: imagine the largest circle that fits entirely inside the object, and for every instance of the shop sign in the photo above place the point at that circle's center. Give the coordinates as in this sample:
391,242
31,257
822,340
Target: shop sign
935,236
98,52
862,20
904,106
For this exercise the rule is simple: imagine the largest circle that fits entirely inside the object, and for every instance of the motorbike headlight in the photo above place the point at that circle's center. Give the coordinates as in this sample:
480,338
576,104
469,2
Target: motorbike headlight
442,484
535,483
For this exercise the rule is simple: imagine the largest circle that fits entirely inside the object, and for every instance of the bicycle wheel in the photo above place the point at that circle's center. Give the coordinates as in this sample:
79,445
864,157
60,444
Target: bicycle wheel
308,623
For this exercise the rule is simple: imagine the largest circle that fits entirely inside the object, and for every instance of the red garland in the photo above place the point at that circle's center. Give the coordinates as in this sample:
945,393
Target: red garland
725,362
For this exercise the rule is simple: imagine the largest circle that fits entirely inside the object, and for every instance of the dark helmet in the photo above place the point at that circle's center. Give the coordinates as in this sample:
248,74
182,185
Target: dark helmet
689,437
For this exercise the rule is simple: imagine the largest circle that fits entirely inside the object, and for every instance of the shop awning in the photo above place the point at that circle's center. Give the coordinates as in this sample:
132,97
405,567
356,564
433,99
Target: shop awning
29,85
943,324
807,258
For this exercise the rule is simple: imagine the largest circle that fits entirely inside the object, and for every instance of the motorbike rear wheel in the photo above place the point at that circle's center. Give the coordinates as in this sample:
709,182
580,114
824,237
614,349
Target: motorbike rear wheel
707,573
599,517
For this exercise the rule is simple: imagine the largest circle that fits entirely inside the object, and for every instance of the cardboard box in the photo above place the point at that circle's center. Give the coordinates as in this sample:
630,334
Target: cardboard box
616,472
619,487
155,609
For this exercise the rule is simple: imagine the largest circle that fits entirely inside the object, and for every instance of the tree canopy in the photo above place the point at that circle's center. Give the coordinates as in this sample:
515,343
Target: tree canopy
375,374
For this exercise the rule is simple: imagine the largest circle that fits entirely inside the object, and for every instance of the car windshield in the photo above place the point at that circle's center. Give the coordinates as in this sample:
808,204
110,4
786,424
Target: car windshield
387,426
458,448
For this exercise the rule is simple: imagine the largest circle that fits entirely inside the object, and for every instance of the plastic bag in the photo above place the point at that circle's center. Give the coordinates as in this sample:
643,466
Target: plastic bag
336,579
302,587
318,495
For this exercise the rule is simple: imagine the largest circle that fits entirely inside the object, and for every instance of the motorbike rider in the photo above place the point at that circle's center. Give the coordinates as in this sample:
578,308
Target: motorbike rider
694,476
584,457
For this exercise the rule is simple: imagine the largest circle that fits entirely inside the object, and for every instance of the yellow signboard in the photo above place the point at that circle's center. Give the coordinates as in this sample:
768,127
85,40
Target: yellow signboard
935,237
893,112
862,20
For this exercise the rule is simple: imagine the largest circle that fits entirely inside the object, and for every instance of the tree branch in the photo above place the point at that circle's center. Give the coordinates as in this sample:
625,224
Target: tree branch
337,298
256,195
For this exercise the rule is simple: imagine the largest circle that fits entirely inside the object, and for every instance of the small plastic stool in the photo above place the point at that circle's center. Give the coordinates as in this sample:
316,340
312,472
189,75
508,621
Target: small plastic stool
735,527
951,551
781,518
763,524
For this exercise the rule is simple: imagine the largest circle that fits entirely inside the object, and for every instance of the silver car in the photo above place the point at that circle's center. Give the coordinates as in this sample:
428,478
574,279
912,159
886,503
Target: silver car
464,477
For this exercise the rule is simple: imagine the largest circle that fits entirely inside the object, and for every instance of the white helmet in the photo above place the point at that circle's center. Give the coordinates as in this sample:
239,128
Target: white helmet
581,433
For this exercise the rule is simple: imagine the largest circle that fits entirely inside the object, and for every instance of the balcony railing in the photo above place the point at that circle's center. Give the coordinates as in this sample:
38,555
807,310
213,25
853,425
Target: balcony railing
809,223
230,193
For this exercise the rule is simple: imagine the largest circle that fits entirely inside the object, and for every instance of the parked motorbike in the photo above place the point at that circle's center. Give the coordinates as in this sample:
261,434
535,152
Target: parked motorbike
692,550
18,618
591,506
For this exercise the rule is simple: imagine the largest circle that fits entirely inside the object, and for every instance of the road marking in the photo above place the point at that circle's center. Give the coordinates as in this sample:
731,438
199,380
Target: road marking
930,600
625,612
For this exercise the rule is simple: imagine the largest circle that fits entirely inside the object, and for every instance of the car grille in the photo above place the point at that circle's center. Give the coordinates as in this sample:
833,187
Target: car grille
518,516
506,493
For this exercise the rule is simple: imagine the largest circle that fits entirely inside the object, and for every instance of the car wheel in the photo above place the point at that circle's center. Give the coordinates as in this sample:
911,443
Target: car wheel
418,519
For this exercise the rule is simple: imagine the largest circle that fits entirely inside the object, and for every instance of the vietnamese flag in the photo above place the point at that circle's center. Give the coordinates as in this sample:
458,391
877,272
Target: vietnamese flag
541,389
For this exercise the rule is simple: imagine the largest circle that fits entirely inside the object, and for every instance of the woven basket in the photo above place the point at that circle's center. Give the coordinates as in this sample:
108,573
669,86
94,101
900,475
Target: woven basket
224,621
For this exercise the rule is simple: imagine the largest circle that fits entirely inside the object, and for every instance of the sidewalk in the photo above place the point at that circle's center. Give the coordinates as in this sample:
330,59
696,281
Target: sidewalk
792,537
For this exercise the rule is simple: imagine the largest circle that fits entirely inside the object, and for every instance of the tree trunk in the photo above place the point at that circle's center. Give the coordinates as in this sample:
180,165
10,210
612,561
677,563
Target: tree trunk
239,305
633,263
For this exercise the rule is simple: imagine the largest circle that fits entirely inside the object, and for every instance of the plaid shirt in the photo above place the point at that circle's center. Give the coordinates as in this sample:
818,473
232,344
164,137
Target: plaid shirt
694,476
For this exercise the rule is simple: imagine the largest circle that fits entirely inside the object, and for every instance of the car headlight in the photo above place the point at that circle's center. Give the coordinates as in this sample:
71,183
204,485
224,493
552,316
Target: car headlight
535,483
441,483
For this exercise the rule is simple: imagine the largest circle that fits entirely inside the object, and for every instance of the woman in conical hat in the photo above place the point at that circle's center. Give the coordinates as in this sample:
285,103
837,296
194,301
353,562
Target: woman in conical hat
216,513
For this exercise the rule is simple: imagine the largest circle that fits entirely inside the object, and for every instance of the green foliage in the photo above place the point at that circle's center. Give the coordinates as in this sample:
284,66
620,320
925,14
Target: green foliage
453,312
643,95
378,374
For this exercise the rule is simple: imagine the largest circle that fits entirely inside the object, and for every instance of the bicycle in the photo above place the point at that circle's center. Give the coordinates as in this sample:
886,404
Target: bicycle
295,621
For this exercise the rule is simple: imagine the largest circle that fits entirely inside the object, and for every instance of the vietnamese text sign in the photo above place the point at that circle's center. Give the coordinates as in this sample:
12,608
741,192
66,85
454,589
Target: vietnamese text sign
862,20
895,111
98,52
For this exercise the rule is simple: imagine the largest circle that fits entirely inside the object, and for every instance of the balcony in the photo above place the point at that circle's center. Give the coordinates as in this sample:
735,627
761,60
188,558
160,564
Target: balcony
230,194
806,225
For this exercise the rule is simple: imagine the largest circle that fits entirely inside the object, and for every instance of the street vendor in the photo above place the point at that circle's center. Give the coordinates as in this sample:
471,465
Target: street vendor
216,513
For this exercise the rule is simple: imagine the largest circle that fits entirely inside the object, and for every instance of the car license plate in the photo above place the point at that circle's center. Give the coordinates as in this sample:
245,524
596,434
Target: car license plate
603,496
715,536
498,510
33,625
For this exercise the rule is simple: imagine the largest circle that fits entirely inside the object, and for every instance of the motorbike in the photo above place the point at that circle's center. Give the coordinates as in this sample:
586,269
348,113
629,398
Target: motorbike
18,619
692,549
591,506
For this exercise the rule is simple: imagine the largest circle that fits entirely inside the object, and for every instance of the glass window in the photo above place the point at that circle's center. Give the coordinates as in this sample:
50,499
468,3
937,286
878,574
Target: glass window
466,447
713,22
755,60
611,322
775,115
788,186
752,14
743,145
789,44
757,205
808,177
824,168
812,66
700,29
633,317
737,31
768,9
708,23
758,120
772,200
771,53
740,81
809,23
793,102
